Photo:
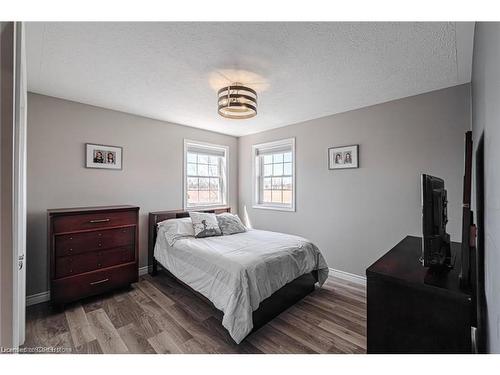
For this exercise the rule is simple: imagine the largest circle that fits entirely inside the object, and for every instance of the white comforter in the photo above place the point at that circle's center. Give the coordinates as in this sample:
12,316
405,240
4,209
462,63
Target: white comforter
239,271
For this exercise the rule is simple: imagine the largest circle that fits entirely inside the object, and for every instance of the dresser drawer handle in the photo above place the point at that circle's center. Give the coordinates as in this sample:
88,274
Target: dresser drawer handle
99,282
99,221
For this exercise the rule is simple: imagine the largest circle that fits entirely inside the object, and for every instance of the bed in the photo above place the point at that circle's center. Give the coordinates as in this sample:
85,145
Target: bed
251,277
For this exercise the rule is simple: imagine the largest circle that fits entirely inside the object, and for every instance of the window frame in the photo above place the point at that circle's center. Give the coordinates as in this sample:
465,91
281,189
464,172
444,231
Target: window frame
224,171
257,175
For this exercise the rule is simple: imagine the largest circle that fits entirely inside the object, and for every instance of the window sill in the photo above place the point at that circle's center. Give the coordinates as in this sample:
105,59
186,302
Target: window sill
206,207
274,208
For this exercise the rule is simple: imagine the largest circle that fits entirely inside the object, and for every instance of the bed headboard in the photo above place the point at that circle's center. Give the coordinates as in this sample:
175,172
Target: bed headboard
158,216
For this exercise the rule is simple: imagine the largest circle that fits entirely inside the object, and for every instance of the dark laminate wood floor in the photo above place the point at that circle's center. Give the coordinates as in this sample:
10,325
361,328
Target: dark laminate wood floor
158,315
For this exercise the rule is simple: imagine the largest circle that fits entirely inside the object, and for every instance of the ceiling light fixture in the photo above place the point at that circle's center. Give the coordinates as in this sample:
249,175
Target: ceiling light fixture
237,102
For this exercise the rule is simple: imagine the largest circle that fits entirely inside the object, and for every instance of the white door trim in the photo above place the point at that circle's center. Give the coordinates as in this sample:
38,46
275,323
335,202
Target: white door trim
19,187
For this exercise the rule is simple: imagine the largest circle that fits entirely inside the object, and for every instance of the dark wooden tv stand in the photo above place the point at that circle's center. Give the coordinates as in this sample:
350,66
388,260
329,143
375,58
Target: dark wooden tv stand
414,310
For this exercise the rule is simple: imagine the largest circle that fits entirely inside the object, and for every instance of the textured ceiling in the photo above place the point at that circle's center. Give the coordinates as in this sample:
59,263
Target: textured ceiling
171,71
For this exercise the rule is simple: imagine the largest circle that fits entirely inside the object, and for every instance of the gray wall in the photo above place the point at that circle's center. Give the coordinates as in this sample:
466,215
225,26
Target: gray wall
355,216
486,121
151,177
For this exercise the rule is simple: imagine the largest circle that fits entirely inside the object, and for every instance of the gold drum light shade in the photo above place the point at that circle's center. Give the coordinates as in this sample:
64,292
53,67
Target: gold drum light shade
237,102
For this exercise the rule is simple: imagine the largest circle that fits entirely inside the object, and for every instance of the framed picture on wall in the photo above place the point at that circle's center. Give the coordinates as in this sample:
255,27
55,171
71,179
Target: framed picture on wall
103,156
343,157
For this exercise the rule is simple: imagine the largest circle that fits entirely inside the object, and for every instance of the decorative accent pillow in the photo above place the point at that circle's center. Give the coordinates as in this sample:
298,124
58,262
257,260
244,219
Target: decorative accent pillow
176,229
230,224
205,224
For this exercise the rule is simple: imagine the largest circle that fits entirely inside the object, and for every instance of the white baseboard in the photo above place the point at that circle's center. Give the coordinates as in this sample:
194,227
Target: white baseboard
348,276
45,296
38,298
143,270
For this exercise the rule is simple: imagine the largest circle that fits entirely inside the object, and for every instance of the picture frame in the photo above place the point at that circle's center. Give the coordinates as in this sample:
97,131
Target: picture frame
343,157
103,156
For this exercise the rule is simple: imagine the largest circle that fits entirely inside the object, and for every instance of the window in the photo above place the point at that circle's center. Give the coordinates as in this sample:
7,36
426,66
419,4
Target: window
205,174
274,175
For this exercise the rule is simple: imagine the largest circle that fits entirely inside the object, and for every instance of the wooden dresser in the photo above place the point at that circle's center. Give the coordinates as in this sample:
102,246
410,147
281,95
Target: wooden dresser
412,309
92,250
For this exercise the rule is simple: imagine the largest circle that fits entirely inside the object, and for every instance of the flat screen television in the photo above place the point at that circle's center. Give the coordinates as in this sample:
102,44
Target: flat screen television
436,252
436,242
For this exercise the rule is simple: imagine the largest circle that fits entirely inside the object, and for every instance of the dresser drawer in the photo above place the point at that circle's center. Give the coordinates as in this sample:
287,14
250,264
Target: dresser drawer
75,264
76,222
75,287
77,243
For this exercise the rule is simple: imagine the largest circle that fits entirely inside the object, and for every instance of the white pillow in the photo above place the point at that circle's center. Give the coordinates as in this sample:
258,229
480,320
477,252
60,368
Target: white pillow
230,224
175,229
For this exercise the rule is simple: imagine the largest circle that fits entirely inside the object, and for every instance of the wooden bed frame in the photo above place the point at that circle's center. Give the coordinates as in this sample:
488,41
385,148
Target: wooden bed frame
268,309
